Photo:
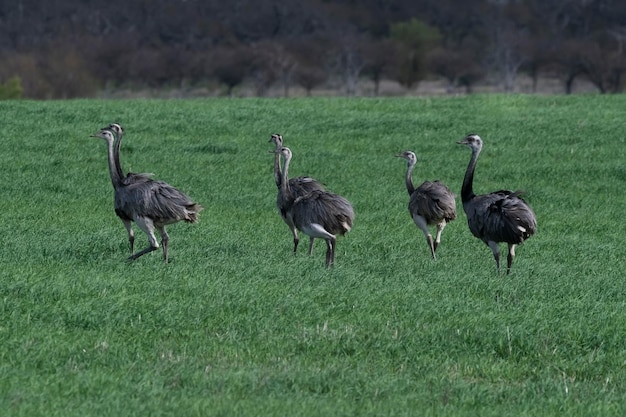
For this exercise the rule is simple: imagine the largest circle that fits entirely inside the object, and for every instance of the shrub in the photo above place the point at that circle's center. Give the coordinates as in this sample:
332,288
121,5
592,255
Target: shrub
11,89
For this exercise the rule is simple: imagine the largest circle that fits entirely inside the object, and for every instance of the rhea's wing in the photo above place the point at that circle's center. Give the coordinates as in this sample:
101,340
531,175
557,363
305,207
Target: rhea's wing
299,186
156,200
132,178
501,217
433,201
518,214
332,211
304,185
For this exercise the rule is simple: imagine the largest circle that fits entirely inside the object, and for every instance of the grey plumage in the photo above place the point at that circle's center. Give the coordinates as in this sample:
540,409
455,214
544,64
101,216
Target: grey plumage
500,216
149,203
432,203
318,214
299,186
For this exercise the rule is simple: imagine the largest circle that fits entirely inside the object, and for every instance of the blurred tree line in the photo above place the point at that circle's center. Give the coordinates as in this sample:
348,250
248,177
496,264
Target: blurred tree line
78,48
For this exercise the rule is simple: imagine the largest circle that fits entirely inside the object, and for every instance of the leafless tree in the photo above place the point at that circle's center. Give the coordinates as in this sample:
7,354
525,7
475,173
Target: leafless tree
349,61
231,65
457,67
379,60
508,45
69,48
275,63
311,69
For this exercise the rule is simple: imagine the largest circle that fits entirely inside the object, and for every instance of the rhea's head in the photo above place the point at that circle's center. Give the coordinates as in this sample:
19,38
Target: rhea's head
409,156
473,141
105,134
116,128
277,140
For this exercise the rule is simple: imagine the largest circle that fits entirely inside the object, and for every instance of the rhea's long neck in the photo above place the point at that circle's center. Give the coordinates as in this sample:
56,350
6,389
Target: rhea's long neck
285,179
116,155
409,183
116,178
467,190
277,170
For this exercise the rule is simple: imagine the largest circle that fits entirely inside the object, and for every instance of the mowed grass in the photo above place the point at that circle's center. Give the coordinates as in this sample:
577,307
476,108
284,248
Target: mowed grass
237,325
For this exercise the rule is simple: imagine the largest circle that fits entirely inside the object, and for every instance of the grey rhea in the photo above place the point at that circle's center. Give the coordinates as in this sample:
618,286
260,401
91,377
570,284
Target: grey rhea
500,216
149,203
299,186
432,203
318,214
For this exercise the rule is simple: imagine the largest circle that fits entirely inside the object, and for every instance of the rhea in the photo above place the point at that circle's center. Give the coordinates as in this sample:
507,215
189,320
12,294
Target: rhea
432,203
151,204
299,186
318,214
500,216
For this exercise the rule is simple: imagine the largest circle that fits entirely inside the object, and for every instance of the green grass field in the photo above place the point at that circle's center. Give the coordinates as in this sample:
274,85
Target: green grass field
235,325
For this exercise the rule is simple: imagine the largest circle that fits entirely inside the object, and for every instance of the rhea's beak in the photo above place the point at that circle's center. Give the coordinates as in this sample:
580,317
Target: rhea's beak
97,135
277,136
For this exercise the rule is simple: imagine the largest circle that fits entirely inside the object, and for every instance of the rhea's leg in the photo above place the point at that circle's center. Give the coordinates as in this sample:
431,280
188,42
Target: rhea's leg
330,251
496,253
131,234
294,231
142,252
431,244
510,257
311,245
147,226
440,228
296,239
165,238
314,230
421,223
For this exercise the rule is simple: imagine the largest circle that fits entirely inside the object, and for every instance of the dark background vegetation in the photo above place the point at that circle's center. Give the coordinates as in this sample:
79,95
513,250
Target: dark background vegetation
86,48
